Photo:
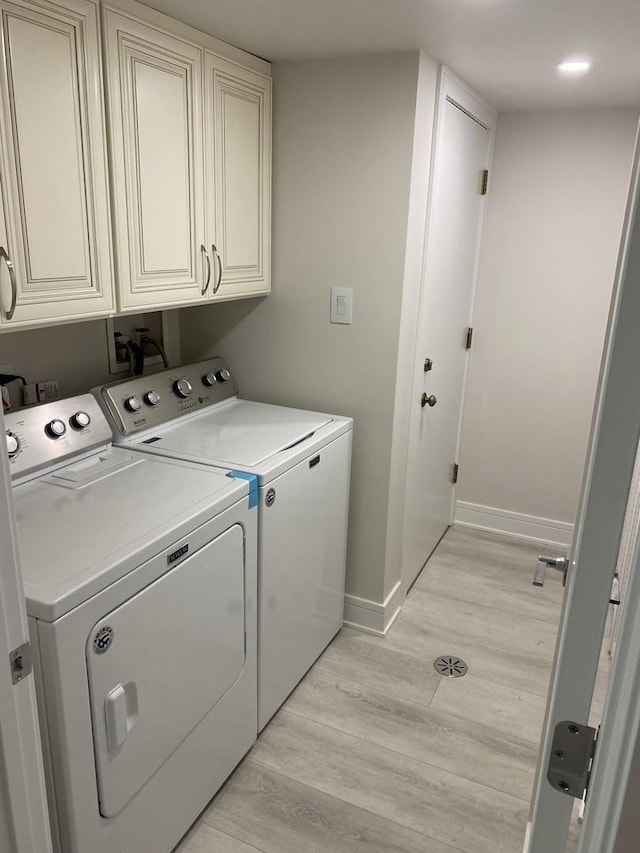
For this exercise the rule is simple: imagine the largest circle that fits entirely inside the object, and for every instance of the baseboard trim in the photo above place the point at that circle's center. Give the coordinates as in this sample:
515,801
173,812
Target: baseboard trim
373,617
530,527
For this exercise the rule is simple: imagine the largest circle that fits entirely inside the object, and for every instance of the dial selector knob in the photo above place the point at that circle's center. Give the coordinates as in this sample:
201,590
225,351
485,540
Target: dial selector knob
133,403
182,387
152,398
55,428
223,375
80,420
13,444
209,379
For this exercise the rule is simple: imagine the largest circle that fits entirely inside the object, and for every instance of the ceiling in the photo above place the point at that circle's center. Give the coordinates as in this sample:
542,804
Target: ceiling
506,49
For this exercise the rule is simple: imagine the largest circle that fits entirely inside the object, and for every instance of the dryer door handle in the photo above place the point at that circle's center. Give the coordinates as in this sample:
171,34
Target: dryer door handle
120,712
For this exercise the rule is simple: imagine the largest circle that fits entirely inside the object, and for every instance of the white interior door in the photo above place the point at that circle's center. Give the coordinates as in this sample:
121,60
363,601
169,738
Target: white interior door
463,149
24,822
605,492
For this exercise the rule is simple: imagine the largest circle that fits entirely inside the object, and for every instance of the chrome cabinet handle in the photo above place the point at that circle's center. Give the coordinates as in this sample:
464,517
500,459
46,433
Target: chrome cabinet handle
206,284
216,254
14,284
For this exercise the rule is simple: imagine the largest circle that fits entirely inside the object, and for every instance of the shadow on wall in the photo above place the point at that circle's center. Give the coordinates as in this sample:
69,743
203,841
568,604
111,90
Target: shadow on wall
209,324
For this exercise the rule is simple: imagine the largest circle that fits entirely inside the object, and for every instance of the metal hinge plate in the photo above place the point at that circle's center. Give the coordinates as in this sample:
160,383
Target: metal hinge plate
469,339
454,473
614,596
571,759
484,182
20,662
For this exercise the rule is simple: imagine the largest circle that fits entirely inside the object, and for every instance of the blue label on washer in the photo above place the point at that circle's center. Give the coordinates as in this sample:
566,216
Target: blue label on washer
253,485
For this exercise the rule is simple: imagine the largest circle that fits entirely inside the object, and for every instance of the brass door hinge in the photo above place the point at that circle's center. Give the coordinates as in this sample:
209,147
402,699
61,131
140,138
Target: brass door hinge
469,338
485,182
454,473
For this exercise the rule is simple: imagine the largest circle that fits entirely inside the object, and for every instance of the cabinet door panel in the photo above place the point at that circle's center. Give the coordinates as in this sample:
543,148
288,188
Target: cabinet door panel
155,111
166,242
240,181
55,234
54,159
239,175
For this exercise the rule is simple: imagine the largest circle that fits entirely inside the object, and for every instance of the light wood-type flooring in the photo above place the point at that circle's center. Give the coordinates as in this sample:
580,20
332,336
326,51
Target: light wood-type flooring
374,751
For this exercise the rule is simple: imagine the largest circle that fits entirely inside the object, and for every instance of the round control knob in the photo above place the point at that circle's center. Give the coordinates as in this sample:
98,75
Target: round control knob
13,444
209,379
80,420
152,398
133,403
55,428
182,387
223,375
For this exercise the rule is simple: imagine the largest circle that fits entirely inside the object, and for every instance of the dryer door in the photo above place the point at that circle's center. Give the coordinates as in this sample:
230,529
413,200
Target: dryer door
158,663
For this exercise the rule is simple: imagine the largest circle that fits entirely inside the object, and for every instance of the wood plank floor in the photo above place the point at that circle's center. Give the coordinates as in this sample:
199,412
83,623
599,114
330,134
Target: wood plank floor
374,751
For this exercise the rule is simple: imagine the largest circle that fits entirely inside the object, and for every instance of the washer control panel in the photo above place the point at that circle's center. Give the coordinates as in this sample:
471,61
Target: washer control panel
41,436
147,401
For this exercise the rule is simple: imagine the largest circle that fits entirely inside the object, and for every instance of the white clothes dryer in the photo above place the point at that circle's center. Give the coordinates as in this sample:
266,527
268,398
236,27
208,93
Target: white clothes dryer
140,582
302,462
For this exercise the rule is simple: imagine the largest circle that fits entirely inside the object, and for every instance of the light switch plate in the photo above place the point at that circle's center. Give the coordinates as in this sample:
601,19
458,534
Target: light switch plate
341,305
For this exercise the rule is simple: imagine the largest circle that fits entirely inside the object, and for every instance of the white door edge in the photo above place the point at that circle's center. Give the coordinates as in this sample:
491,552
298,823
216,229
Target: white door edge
619,731
24,821
603,503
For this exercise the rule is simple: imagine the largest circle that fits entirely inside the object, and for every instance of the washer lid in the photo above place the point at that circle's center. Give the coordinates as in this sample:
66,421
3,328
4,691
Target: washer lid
241,434
91,522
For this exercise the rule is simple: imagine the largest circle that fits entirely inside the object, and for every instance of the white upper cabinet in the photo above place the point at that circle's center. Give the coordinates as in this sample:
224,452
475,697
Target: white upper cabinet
191,183
53,165
155,113
238,170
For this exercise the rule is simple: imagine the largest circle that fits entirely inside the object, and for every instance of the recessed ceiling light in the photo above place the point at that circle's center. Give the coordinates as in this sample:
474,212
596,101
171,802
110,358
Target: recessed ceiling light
574,66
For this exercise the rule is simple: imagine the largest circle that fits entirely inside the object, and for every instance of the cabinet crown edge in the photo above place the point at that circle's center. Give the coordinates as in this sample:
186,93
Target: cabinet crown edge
178,29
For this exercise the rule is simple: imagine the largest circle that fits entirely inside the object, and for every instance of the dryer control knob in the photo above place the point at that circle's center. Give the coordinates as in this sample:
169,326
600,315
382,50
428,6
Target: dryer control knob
132,403
223,375
182,387
209,379
13,444
55,428
80,420
152,398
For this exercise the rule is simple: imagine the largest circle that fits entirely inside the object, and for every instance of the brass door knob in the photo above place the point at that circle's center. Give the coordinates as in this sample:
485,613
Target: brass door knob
428,401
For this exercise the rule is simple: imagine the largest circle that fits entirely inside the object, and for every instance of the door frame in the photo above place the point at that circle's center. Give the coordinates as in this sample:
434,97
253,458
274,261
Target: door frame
620,728
604,498
24,819
607,804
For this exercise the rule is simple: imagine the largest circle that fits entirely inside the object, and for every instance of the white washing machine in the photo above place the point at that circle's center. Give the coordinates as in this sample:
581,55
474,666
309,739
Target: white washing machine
140,581
302,461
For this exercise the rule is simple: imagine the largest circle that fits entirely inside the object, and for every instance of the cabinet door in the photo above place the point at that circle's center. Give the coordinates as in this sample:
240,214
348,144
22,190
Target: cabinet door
155,111
238,149
54,162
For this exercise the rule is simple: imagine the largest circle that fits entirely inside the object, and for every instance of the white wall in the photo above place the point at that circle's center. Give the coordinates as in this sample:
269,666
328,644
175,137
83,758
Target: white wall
558,188
343,137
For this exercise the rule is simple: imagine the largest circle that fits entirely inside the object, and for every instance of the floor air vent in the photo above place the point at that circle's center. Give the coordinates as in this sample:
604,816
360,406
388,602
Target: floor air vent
451,666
